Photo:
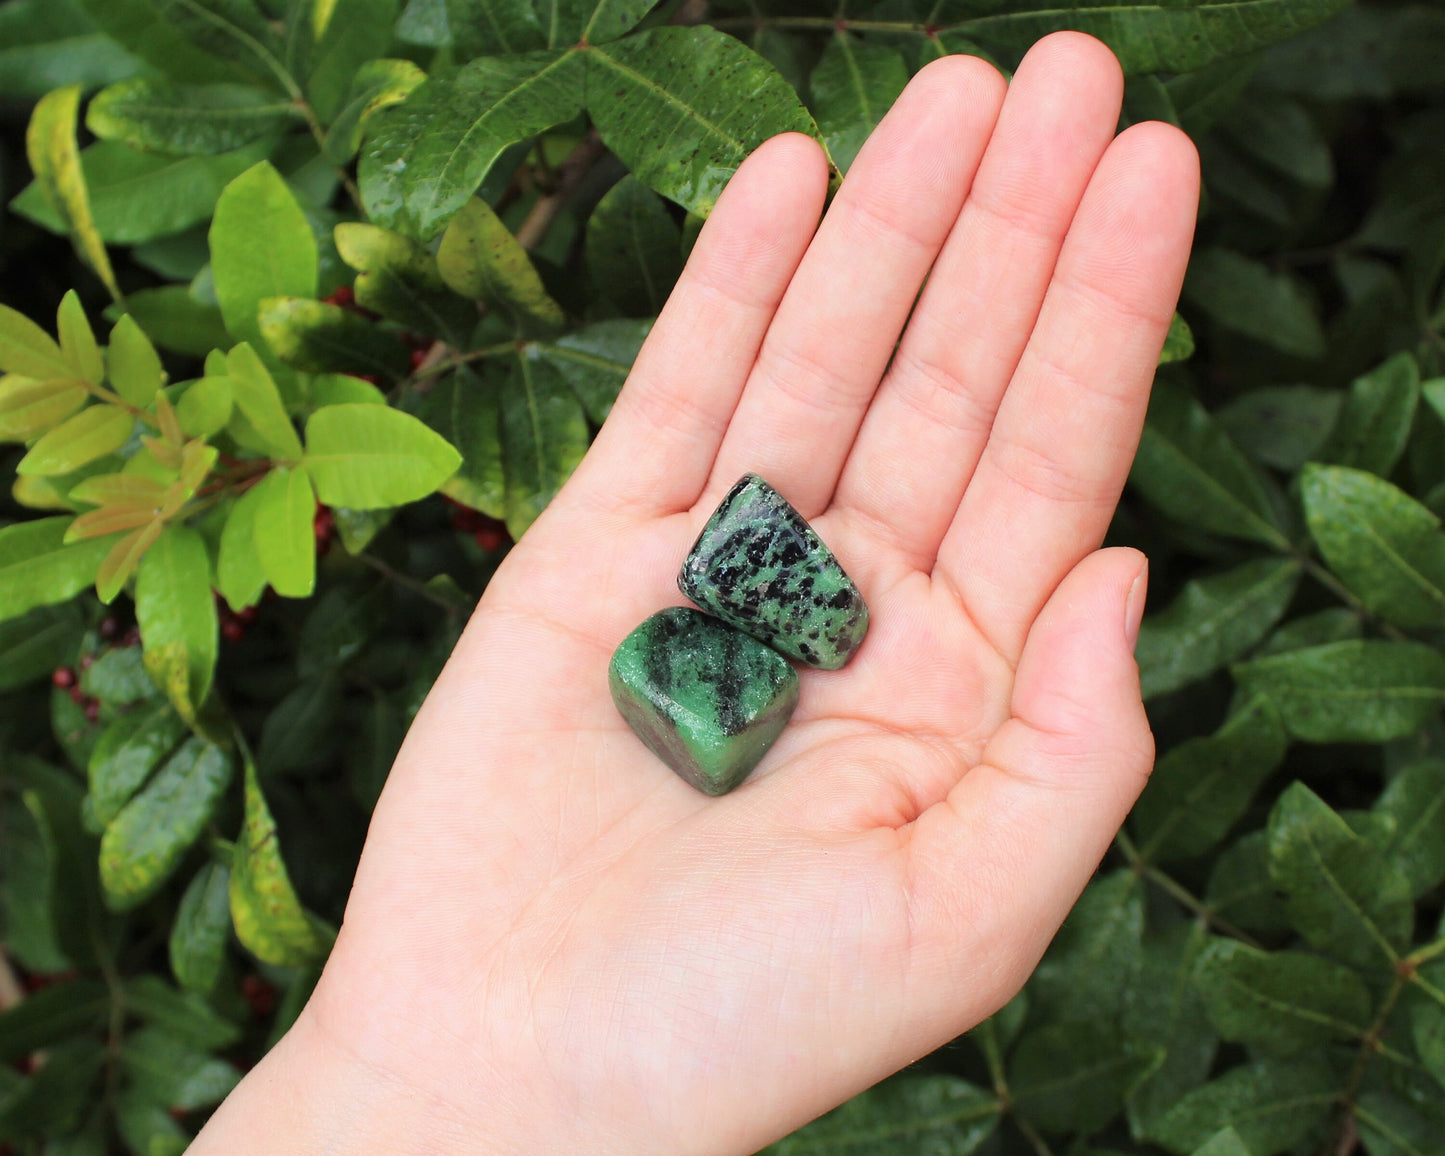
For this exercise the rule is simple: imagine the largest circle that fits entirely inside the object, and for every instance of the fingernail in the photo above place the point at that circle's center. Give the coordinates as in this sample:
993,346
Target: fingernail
1134,607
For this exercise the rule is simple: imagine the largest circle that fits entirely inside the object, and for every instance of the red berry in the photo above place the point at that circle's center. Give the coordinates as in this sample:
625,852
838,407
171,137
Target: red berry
344,296
324,524
492,537
178,1115
248,615
92,710
418,356
109,626
87,661
77,695
131,637
63,677
233,629
260,994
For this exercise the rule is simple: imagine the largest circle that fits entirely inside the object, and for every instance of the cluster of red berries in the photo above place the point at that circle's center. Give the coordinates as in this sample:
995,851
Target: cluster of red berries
260,994
67,678
489,533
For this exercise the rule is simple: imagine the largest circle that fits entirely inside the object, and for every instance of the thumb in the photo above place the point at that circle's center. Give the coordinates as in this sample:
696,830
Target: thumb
1004,859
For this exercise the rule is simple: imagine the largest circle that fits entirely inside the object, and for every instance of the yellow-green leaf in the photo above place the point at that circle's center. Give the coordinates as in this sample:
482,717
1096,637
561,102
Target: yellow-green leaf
77,340
177,618
28,407
120,563
28,350
205,407
55,159
37,568
369,457
119,490
239,576
255,394
283,534
135,366
90,434
479,258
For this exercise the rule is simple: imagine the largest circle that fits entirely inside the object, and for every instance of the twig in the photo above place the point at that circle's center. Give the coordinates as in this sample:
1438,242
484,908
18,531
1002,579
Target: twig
421,589
570,172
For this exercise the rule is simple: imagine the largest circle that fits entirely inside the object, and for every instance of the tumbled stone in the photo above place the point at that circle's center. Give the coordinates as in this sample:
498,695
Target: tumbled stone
706,699
758,565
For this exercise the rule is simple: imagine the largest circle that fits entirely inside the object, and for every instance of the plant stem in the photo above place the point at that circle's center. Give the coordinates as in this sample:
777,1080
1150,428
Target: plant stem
1344,594
569,174
1031,1134
408,582
1177,891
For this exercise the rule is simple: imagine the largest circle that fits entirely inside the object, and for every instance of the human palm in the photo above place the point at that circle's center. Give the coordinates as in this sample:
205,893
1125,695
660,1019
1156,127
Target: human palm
554,944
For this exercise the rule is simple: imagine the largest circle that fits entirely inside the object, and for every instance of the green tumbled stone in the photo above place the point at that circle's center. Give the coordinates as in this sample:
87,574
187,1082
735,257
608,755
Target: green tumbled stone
706,699
760,566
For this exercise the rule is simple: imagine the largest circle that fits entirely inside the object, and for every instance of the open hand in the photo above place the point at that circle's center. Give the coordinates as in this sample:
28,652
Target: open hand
554,945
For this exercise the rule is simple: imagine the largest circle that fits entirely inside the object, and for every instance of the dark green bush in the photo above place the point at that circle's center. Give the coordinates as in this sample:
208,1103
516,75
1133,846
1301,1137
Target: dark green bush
387,250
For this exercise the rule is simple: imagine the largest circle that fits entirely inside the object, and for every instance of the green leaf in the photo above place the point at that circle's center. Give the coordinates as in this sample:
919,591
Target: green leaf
240,576
357,32
118,678
1271,1104
261,246
1282,425
137,197
177,618
634,249
666,102
1240,888
321,338
1213,621
254,393
270,921
29,644
77,341
1188,467
89,435
1242,295
147,1127
28,407
336,629
378,84
1225,1142
132,363
544,437
1390,1127
191,120
1342,894
232,29
38,569
1149,37
430,153
177,321
1415,798
466,410
480,259
184,1015
1073,1076
29,351
1280,1001
55,1098
301,732
1178,342
1335,624
1428,1032
589,21
205,408
595,361
171,1071
1202,787
1374,423
399,279
51,1015
1384,545
138,26
853,85
55,160
47,44
201,930
369,457
128,750
494,27
1370,691
937,1114
1096,955
143,846
283,533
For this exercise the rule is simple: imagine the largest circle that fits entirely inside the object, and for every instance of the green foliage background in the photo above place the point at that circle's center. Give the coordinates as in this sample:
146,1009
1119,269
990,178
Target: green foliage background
509,188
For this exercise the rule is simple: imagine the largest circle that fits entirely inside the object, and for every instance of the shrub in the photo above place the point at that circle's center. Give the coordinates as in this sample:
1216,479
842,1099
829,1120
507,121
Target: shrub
376,272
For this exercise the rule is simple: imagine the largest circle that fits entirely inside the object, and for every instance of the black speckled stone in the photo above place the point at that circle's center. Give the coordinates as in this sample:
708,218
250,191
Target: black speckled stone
706,699
760,566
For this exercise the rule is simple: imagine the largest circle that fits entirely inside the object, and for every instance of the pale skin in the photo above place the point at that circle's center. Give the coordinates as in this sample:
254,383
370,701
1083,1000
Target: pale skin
553,944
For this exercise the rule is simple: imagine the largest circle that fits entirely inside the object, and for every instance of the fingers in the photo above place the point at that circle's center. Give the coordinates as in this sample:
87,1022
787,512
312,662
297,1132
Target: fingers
999,863
657,447
838,323
928,425
1049,478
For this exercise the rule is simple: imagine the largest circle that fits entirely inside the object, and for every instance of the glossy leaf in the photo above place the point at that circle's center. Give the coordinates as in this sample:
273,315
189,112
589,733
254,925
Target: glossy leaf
1073,1076
38,569
1244,296
356,32
1280,1001
1240,888
177,618
634,250
29,407
231,29
128,750
261,246
202,928
143,30
321,338
399,280
55,160
466,410
124,557
495,27
667,102
853,85
1188,467
205,408
595,361
1095,957
176,321
88,436
132,363
143,846
1415,799
941,1115
430,153
544,437
77,341
254,393
1271,1104
480,259
1374,423
192,120
368,457
240,577
282,531
1202,787
589,21
378,84
29,351
1211,622
1343,895
270,921
1370,691
47,44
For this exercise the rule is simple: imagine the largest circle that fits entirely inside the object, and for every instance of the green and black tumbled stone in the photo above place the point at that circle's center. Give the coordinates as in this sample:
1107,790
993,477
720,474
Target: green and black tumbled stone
706,699
760,566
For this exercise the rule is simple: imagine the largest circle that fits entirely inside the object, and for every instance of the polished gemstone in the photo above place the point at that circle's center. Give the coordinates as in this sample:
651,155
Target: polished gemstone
761,567
706,699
